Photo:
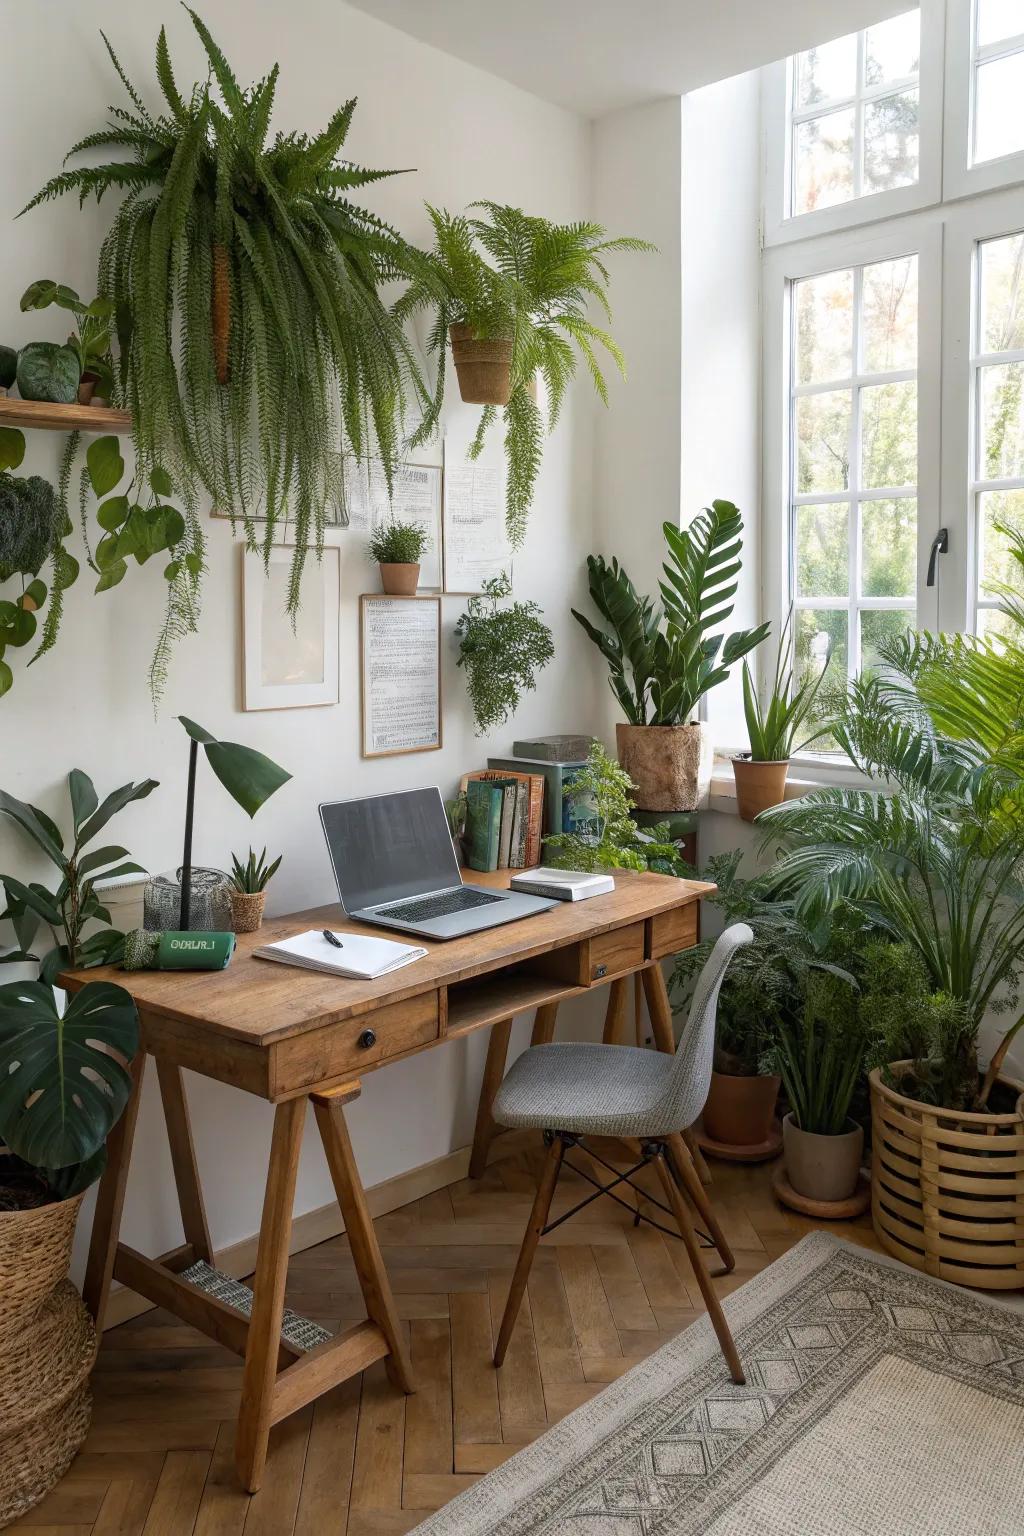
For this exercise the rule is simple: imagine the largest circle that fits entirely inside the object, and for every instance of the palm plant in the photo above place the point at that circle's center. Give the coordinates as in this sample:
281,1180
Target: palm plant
515,277
663,660
248,394
772,727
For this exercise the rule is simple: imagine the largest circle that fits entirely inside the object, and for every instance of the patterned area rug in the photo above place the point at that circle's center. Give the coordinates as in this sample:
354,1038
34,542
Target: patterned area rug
878,1403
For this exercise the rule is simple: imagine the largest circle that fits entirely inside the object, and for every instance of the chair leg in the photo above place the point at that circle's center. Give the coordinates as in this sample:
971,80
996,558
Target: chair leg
707,1290
692,1146
531,1237
685,1171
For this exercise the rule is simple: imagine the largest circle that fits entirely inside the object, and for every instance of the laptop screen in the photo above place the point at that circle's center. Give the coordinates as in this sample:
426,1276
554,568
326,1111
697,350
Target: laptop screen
388,847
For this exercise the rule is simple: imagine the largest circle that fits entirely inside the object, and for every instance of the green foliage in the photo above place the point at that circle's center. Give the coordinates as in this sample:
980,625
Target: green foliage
299,357
818,1051
907,1021
663,660
32,525
615,841
72,904
396,543
517,277
255,874
91,339
772,727
250,777
48,371
502,650
8,367
63,1077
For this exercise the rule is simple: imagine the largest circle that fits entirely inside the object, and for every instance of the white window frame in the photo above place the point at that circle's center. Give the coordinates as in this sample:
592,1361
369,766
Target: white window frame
776,106
962,178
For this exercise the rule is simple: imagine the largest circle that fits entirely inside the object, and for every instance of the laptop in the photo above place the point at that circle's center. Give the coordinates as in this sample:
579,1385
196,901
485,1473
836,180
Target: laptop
395,864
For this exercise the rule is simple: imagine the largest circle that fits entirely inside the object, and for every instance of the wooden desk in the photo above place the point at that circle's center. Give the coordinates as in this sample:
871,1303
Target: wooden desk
289,1036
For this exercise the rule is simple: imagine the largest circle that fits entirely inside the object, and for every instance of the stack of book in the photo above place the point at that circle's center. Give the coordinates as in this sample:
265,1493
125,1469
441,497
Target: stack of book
504,817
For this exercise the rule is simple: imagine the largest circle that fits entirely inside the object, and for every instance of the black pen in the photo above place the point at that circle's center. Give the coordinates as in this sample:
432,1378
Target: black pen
332,938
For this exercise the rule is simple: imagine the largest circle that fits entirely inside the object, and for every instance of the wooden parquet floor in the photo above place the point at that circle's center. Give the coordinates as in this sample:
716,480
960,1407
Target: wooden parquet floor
365,1461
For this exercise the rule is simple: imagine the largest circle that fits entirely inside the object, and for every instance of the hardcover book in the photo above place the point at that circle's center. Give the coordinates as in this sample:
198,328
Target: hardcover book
533,787
483,823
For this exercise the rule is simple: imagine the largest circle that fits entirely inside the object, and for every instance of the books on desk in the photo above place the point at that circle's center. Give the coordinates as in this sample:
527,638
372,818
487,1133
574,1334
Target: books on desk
562,884
504,810
361,957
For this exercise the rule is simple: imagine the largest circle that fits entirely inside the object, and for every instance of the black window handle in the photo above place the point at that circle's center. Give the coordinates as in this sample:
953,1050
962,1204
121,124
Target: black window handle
940,546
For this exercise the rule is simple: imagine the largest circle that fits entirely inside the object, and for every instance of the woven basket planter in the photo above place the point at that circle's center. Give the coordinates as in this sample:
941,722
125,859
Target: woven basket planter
247,910
35,1253
947,1188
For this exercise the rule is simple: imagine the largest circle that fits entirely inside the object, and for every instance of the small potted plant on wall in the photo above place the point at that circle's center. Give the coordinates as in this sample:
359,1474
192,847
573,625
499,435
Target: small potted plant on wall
502,647
90,341
663,659
398,549
249,881
772,727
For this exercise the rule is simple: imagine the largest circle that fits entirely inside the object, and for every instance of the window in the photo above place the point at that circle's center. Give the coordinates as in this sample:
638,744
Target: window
997,80
997,490
854,126
853,415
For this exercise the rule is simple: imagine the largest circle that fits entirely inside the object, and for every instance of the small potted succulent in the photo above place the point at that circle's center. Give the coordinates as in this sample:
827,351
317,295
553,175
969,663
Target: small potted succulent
398,548
772,727
249,881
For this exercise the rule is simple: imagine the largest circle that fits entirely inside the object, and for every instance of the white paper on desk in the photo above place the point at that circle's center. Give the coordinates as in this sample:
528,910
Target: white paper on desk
361,957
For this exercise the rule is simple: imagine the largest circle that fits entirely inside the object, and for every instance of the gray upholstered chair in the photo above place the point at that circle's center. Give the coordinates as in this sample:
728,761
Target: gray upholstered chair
572,1091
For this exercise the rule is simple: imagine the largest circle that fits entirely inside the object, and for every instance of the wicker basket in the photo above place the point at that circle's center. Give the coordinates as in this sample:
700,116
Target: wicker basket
45,1406
247,910
35,1252
947,1188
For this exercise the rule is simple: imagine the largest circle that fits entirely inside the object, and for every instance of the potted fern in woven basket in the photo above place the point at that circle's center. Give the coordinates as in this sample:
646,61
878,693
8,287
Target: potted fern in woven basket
64,1083
662,659
933,854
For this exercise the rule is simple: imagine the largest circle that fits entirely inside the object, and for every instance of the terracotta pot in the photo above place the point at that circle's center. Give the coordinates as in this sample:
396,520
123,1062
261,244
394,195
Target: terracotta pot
740,1110
669,764
483,368
247,910
823,1167
758,785
400,578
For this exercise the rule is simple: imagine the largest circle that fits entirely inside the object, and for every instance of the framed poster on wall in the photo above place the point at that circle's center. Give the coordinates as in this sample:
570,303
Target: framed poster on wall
416,499
400,672
285,667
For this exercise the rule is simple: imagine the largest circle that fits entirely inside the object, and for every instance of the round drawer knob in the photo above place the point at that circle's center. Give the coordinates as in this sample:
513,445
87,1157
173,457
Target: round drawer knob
366,1039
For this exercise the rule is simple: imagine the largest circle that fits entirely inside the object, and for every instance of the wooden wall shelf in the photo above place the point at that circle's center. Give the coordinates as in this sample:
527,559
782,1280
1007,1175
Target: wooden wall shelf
62,418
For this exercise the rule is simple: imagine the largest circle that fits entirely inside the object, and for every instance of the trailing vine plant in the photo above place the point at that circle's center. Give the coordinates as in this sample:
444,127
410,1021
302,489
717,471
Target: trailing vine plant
502,650
252,342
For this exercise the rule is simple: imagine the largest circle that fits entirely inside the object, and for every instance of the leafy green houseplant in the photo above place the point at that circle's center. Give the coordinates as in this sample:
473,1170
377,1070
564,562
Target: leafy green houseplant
33,524
773,726
612,840
502,647
91,338
249,881
511,291
664,658
398,548
252,341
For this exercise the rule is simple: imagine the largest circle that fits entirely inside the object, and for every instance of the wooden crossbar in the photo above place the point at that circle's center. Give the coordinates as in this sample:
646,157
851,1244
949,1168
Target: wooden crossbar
327,1366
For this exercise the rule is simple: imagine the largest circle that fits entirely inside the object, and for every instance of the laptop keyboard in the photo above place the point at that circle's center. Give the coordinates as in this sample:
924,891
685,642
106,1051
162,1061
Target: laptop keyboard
441,905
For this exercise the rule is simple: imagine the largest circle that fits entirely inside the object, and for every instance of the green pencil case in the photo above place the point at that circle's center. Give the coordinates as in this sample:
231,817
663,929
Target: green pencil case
176,951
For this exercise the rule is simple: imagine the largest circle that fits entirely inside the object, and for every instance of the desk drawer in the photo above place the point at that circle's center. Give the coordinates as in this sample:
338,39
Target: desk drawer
352,1046
620,950
673,931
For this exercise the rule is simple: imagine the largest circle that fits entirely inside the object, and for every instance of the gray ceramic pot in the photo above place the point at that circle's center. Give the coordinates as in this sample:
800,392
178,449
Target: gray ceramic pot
823,1167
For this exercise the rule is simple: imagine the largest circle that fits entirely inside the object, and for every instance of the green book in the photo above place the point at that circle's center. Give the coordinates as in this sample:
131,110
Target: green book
483,822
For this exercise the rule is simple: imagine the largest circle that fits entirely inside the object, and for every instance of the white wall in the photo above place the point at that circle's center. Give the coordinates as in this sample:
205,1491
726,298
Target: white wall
87,705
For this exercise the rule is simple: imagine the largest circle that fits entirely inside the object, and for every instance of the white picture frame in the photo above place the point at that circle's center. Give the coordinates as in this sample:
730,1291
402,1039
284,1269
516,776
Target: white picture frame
400,674
284,668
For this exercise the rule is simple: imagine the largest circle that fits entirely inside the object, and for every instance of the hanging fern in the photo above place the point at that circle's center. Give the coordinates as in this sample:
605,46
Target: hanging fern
253,343
517,277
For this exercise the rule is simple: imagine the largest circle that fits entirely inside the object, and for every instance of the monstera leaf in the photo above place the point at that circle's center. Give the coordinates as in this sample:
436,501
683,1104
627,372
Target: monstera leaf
60,1094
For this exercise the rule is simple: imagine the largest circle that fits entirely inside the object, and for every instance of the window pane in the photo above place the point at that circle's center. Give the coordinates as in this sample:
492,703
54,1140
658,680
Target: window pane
891,145
823,441
822,550
889,548
994,625
818,629
892,50
998,118
823,161
995,563
1002,294
828,72
824,328
877,625
890,316
1002,421
889,435
998,19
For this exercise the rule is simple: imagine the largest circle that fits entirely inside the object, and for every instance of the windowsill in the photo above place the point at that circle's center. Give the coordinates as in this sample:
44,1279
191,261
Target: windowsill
805,773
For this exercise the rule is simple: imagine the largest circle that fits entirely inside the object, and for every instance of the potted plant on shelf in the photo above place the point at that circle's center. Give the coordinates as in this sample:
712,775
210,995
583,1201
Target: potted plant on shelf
398,548
249,883
772,728
663,659
90,341
511,292
612,839
502,648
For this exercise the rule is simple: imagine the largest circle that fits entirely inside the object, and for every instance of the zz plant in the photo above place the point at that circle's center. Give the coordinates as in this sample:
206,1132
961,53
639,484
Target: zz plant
252,340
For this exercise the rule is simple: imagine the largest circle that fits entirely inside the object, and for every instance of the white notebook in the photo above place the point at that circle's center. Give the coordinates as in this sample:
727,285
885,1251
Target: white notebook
361,957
